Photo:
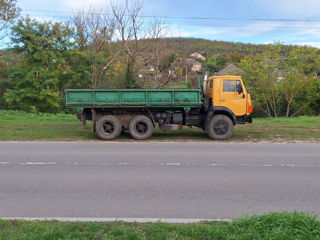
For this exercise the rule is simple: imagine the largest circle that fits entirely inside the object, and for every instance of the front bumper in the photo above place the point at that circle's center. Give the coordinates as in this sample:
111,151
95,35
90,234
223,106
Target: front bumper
244,119
248,119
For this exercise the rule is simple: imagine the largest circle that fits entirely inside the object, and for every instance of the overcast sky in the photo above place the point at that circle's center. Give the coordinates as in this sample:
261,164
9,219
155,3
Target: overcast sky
250,21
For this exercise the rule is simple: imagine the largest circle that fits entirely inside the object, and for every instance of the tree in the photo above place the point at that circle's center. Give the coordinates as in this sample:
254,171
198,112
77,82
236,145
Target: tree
130,29
221,62
211,65
283,82
7,60
216,64
261,74
80,72
157,57
41,75
95,36
236,57
8,13
301,81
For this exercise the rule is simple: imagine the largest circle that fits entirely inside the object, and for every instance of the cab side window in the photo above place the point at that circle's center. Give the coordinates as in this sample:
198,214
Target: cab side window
229,85
211,84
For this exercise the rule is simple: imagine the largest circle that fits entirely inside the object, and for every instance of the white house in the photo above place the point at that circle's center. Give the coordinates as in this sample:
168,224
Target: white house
198,55
195,65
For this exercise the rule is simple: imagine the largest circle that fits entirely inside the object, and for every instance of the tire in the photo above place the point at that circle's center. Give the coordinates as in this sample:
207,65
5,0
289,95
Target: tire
141,127
108,127
220,127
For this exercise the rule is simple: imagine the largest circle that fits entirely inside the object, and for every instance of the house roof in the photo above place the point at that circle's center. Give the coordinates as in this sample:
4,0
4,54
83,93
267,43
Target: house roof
191,61
198,55
229,70
203,53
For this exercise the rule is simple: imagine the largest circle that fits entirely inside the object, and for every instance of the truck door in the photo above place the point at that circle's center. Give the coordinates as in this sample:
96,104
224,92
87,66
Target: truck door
232,97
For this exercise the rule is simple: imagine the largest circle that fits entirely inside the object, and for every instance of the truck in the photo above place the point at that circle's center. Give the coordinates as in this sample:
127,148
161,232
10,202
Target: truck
216,107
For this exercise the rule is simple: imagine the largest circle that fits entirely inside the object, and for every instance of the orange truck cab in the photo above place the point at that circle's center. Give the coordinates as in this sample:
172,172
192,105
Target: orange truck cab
228,94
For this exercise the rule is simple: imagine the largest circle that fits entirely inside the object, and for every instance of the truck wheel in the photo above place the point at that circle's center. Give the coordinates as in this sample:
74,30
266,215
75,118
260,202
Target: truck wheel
108,127
141,127
220,127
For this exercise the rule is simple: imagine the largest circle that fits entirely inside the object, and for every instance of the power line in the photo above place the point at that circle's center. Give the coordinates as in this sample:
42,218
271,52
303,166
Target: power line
211,25
193,18
253,26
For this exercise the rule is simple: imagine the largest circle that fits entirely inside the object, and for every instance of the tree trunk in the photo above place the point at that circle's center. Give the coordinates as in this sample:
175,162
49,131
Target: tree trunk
309,102
288,109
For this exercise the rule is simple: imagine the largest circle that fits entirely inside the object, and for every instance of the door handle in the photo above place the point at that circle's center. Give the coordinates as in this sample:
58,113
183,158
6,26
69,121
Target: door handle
222,100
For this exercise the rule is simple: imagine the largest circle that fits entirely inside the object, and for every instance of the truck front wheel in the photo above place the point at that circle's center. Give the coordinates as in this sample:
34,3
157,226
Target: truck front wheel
141,127
108,127
220,127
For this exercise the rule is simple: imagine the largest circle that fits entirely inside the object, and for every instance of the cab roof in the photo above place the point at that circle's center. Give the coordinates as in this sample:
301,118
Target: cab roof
226,76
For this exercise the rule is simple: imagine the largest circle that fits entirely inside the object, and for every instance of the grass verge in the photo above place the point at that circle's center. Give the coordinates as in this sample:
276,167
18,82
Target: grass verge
16,125
279,226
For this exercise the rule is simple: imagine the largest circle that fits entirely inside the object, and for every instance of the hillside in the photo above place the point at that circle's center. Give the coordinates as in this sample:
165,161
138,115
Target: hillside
186,46
190,45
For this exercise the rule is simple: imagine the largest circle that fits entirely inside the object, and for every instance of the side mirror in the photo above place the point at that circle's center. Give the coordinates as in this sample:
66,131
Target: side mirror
239,89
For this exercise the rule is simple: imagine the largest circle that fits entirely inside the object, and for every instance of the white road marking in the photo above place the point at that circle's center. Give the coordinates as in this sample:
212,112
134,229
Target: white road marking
173,164
37,163
138,220
267,165
123,163
167,164
244,164
107,163
217,164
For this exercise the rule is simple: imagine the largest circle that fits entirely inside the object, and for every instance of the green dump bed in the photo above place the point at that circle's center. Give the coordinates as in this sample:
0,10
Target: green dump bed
126,98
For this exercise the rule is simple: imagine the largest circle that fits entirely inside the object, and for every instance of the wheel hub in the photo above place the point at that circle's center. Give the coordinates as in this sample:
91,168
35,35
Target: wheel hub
220,127
108,128
141,127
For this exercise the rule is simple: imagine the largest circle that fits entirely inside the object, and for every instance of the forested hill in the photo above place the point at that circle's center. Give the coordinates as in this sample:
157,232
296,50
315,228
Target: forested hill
190,45
186,46
210,48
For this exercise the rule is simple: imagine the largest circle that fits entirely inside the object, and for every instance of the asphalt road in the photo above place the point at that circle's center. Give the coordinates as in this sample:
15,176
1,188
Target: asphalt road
157,180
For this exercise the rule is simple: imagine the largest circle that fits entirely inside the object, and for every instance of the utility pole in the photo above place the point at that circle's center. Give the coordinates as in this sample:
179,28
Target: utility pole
186,73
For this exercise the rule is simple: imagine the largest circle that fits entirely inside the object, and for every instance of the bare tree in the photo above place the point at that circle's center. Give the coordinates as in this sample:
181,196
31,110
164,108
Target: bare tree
124,28
157,32
130,30
96,35
162,60
8,13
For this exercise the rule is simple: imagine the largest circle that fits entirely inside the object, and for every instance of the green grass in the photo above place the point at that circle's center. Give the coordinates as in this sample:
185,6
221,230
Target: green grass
275,226
16,125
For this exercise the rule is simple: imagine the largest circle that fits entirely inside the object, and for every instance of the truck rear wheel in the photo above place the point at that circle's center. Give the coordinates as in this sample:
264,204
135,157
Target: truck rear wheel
108,127
141,127
220,127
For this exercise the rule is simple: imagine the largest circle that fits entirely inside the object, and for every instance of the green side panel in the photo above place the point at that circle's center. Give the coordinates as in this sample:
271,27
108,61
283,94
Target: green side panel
186,97
80,97
159,98
133,98
112,98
